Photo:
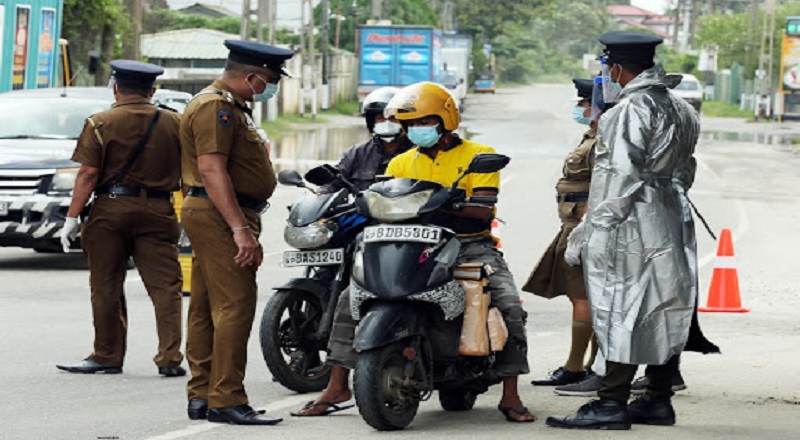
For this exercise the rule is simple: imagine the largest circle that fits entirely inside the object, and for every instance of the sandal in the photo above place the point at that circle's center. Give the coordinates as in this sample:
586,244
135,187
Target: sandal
507,410
330,408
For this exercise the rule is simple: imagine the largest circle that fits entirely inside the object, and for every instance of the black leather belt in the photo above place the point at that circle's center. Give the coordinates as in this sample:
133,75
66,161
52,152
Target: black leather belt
244,202
572,197
131,191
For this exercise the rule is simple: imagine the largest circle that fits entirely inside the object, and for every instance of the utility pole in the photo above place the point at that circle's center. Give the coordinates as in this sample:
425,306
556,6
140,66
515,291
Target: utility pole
309,74
377,9
272,19
261,20
325,49
244,29
137,29
676,24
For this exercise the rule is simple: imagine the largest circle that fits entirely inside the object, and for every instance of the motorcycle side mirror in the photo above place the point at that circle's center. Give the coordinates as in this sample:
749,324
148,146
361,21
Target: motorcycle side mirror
291,178
321,175
488,163
484,163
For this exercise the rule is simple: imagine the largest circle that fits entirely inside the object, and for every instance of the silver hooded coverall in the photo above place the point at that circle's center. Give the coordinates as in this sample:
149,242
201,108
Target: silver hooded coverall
640,258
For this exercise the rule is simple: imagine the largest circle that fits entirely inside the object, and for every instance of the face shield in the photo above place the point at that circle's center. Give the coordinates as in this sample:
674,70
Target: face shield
598,105
610,92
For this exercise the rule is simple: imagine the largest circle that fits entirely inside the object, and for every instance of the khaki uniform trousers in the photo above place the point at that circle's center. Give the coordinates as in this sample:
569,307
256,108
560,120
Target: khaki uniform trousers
146,229
222,306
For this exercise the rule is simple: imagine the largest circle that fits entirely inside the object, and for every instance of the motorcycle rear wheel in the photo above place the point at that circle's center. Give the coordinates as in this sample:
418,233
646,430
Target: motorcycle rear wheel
457,400
377,385
294,359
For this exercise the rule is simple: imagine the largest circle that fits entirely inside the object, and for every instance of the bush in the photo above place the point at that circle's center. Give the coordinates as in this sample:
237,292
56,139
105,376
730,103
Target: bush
716,109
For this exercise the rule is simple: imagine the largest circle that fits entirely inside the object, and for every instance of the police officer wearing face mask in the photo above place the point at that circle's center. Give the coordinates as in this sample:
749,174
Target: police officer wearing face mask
552,276
362,162
230,177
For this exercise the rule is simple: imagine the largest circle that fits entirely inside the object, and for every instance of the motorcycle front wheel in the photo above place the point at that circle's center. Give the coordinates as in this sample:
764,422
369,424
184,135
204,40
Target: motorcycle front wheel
295,360
378,387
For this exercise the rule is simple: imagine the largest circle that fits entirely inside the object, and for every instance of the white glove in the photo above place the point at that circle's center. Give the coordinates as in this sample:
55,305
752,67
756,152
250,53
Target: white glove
575,242
69,232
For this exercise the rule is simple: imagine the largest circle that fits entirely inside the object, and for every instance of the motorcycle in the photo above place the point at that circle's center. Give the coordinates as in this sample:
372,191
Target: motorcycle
296,322
408,303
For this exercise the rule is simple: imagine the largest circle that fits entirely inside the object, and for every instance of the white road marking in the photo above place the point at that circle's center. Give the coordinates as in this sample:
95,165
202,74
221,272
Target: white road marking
195,428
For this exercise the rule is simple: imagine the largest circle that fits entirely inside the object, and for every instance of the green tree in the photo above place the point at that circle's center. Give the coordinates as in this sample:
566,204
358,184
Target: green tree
161,20
95,25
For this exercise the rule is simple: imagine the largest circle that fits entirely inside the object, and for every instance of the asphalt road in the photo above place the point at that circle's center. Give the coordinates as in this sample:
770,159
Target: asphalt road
751,390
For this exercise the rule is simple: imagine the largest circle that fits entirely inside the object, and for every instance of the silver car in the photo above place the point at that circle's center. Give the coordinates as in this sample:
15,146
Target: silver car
37,138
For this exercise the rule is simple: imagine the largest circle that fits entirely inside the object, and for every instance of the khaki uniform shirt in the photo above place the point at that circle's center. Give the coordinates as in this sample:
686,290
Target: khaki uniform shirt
217,121
578,166
109,139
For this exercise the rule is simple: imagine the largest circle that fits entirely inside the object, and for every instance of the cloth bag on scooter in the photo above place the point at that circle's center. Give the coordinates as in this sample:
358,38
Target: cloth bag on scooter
483,330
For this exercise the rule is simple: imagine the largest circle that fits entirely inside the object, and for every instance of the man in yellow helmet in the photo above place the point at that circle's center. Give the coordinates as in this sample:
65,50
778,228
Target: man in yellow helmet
430,117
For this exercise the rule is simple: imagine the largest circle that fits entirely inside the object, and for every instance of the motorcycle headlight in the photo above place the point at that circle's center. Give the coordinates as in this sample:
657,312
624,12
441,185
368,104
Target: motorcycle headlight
63,181
308,237
358,267
399,208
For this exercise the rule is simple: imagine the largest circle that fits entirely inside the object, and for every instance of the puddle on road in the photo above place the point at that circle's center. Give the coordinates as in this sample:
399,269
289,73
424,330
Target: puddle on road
752,137
305,149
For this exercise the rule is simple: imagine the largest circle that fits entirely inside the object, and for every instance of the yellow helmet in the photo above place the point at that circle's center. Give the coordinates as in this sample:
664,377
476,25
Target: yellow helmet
424,99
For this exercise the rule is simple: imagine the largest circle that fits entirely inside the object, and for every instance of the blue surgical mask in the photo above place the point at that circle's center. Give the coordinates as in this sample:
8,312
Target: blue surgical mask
577,115
424,136
270,90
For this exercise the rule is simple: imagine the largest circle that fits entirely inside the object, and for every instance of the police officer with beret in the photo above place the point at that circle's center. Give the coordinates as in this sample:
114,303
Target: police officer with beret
130,158
230,177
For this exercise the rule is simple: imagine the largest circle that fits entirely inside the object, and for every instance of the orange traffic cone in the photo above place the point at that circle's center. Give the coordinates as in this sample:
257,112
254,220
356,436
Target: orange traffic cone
496,234
723,295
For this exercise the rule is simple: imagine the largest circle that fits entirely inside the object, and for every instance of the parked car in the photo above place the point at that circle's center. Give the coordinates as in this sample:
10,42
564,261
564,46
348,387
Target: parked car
691,90
37,137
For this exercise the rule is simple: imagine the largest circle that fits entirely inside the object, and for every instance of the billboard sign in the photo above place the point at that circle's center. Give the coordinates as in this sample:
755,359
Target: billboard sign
21,39
790,64
47,49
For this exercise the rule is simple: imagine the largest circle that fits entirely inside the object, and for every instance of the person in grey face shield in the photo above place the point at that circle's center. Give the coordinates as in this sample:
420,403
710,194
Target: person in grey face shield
639,253
362,162
552,276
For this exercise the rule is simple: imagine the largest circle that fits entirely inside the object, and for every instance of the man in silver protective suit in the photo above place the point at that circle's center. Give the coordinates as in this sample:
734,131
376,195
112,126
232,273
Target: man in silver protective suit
639,252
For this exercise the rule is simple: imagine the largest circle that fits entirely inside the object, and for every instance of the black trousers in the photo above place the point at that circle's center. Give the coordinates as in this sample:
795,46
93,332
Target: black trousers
616,384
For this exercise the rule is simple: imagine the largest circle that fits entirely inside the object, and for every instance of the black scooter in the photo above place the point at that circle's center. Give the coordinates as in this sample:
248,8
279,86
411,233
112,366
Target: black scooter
296,322
408,303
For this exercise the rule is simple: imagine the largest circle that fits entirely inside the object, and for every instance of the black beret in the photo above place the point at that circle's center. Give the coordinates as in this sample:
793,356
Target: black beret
252,53
629,47
130,73
584,88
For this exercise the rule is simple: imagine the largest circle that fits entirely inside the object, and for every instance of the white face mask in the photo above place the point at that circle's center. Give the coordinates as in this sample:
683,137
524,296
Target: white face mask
387,128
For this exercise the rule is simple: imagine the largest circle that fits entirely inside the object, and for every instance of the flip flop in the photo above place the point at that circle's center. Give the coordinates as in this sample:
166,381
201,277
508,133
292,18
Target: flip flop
330,408
507,410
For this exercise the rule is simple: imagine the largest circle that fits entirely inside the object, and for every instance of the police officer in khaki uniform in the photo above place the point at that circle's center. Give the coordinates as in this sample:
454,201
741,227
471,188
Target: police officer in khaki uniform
130,159
552,276
230,177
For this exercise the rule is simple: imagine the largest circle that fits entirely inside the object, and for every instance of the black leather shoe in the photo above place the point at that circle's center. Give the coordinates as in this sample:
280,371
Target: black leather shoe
644,412
90,366
597,414
240,415
560,377
197,409
172,371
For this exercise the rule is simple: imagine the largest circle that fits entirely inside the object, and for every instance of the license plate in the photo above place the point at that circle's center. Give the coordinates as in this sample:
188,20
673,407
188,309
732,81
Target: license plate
422,234
3,208
323,257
